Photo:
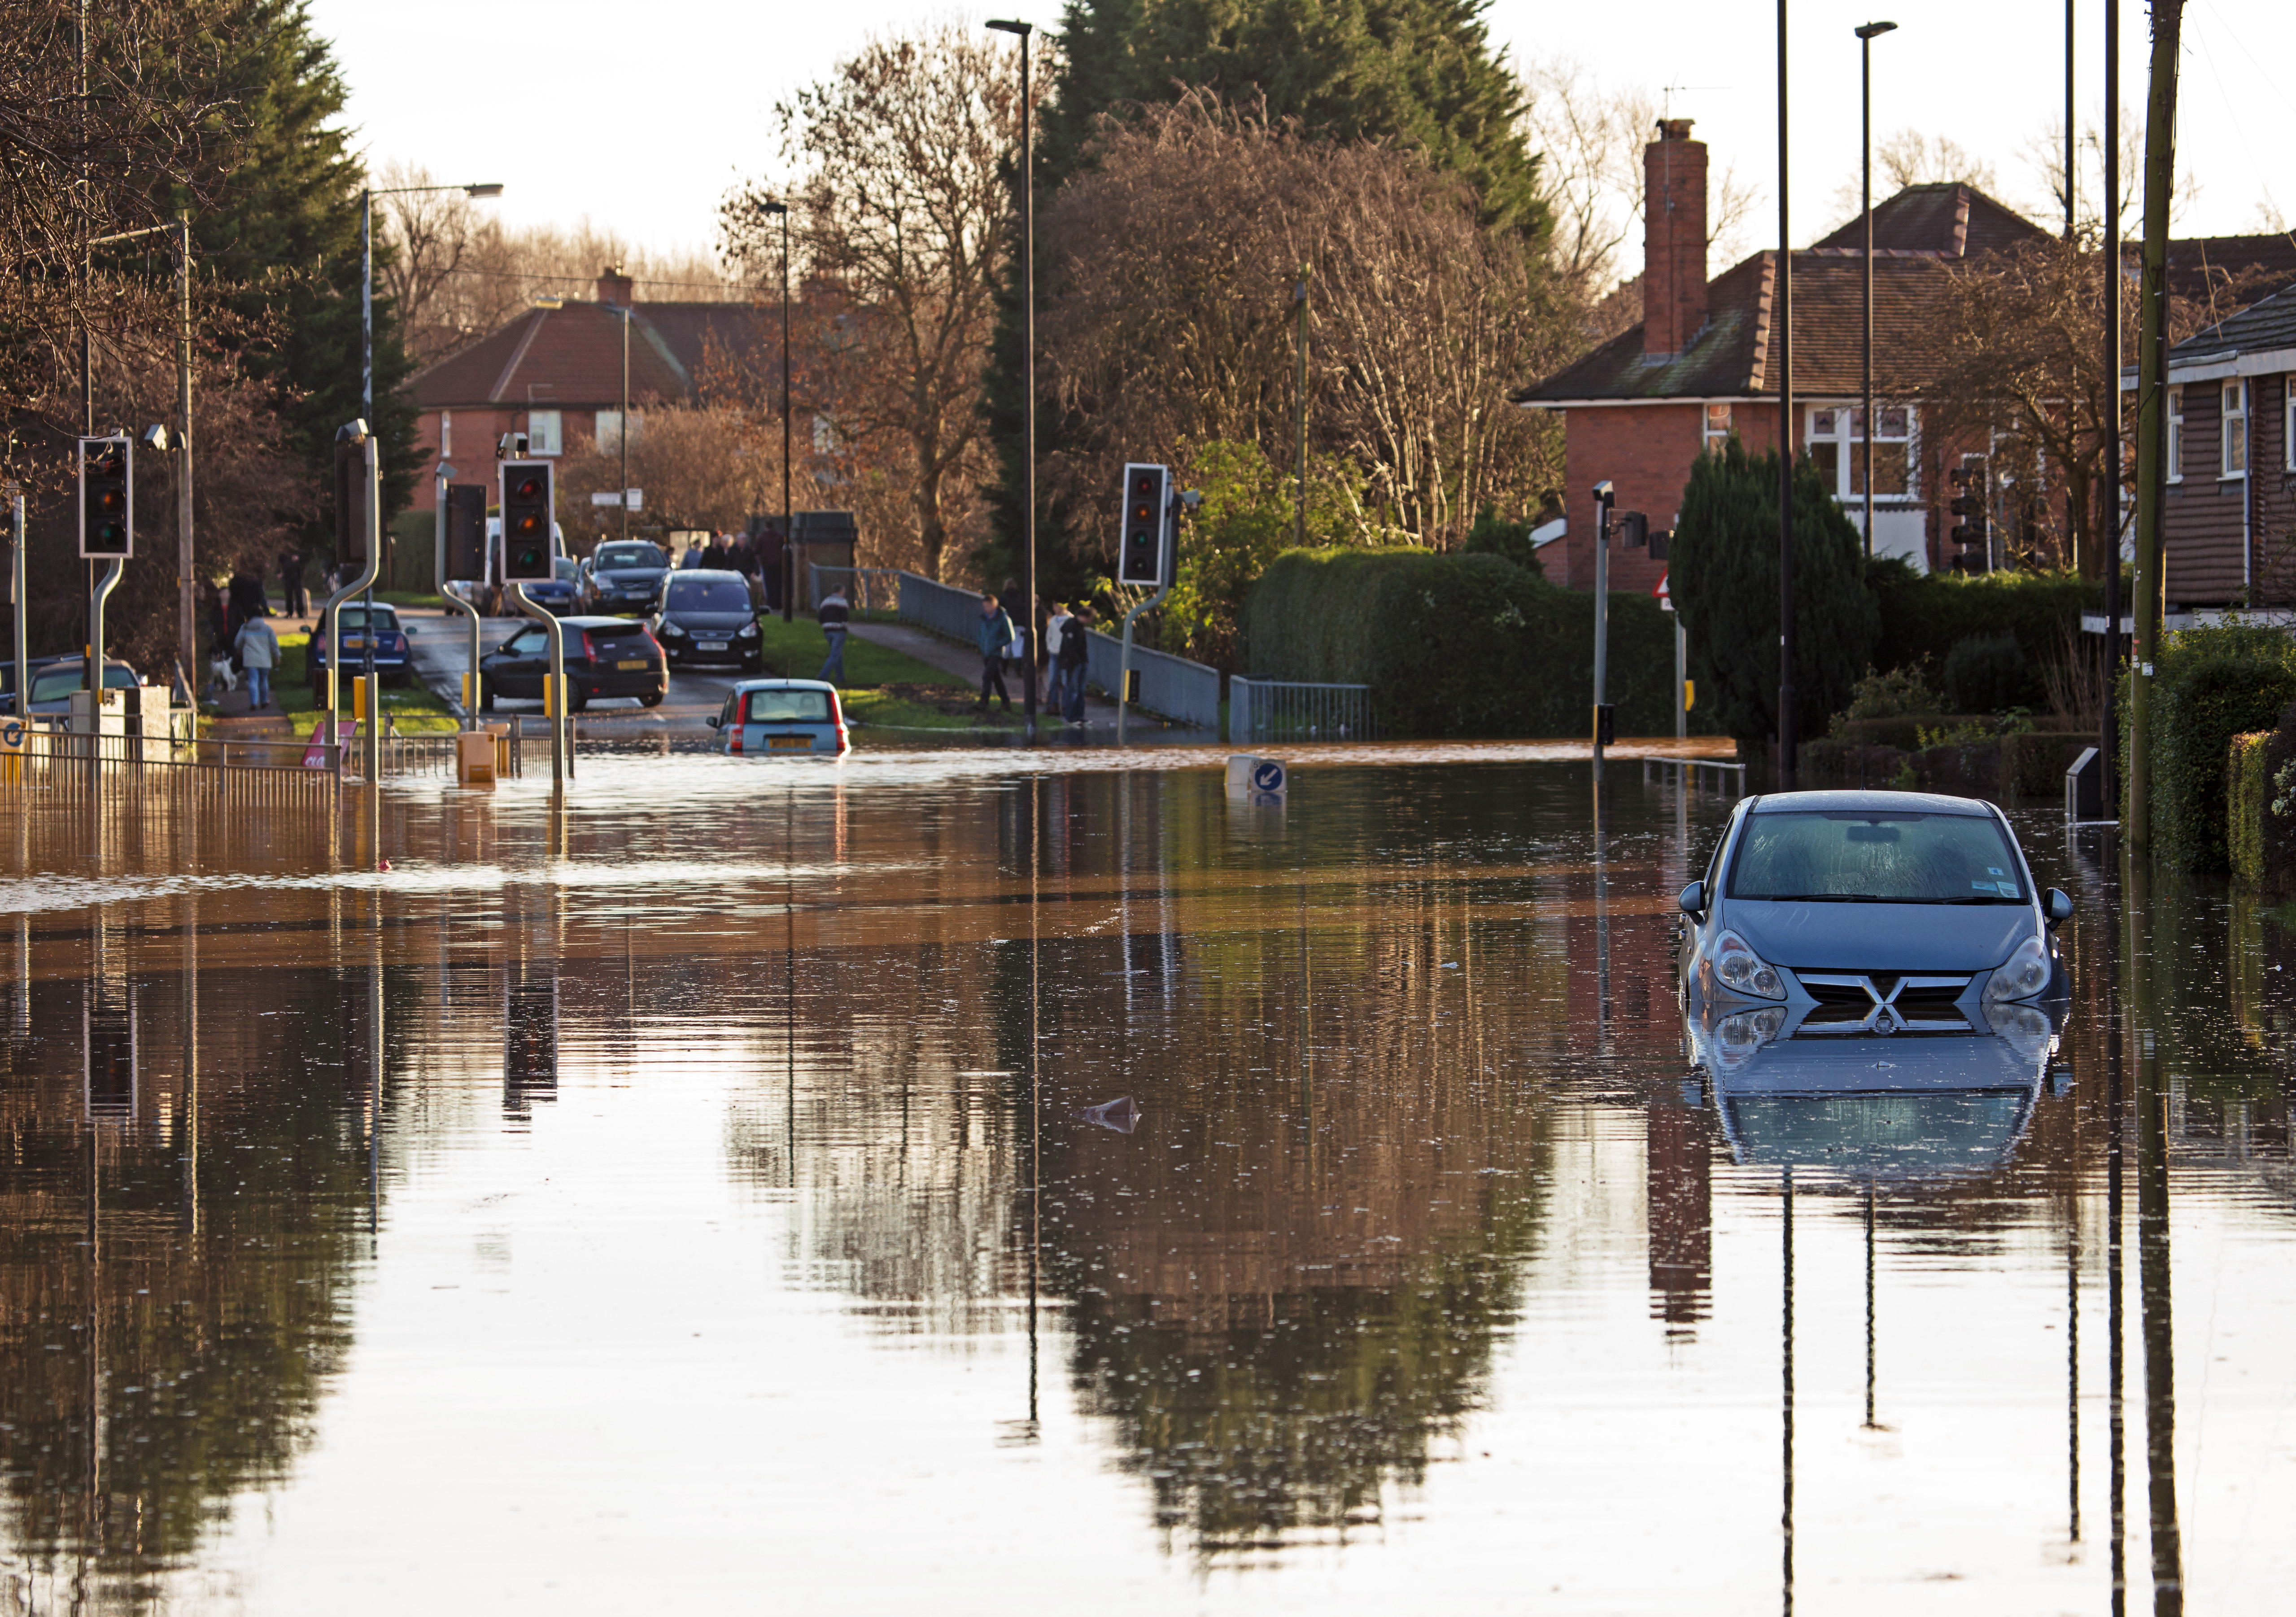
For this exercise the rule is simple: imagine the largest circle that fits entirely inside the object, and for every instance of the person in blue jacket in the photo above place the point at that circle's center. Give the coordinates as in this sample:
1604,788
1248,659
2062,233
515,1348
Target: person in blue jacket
994,633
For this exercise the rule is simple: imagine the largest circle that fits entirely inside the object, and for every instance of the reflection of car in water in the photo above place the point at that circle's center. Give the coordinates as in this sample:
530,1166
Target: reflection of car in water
1871,982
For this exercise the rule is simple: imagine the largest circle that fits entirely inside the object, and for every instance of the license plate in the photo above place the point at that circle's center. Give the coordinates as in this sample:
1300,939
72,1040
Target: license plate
628,665
788,743
711,645
352,643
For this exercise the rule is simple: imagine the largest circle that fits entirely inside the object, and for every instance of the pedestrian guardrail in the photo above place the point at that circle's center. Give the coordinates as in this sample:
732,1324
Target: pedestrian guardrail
942,607
1173,688
1291,710
1726,776
874,589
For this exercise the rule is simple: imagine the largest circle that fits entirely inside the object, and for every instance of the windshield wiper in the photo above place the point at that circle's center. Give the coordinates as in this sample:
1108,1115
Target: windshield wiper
1978,898
1824,898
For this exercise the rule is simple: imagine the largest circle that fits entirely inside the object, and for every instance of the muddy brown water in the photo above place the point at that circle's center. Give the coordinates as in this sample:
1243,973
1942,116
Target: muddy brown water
925,1182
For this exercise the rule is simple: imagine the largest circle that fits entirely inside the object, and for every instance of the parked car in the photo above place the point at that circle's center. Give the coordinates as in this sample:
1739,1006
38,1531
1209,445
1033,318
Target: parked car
55,678
1832,914
707,616
604,657
623,576
390,653
559,595
775,716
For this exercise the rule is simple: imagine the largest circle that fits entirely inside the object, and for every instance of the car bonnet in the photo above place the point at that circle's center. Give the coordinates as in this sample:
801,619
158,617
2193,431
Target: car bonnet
1879,937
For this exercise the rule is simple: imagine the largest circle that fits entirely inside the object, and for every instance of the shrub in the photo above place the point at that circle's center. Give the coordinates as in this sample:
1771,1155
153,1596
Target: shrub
2209,685
2248,801
1724,577
1892,695
1459,644
1505,537
1985,674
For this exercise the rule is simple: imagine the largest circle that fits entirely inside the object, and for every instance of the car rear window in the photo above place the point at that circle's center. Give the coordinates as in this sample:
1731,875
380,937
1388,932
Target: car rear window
616,631
1887,858
709,596
789,708
386,618
55,685
629,555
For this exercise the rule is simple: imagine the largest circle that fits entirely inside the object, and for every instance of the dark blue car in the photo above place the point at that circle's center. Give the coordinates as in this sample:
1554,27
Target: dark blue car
390,656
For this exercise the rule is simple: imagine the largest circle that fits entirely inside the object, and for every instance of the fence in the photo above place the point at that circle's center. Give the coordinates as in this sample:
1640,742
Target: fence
1278,710
1728,776
1187,692
941,608
875,589
53,758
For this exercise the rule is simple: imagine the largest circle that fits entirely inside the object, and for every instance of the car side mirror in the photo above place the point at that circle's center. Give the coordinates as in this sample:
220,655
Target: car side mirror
1693,901
714,721
2059,905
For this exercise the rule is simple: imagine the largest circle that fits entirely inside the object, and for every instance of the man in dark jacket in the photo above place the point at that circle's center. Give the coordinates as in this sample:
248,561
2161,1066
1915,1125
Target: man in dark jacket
1075,654
994,634
835,616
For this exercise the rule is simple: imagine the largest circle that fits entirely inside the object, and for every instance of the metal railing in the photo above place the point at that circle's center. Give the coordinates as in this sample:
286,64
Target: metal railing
942,607
1728,776
1287,709
875,589
1187,692
56,759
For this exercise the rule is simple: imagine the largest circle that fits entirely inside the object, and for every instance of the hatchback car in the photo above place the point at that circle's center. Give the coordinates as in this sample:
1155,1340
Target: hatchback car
390,653
623,576
781,716
604,657
55,678
706,616
1869,912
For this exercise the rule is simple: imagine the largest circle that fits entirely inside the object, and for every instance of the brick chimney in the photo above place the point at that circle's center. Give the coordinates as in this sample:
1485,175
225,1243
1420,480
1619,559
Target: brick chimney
1674,240
614,287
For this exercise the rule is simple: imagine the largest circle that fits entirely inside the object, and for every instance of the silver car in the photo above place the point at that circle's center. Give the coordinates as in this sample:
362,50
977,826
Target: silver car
1868,914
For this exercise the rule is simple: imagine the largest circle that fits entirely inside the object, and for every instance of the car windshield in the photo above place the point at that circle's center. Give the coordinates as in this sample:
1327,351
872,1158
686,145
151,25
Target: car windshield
566,570
386,618
1845,856
629,555
709,596
789,707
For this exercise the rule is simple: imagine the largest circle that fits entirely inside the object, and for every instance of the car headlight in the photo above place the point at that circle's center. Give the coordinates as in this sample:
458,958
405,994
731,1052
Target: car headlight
749,631
673,631
1742,971
2024,975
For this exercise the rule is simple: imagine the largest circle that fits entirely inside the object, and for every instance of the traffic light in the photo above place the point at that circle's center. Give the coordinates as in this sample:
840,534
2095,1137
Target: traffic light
1971,551
467,532
1633,529
1140,536
107,499
1661,540
527,517
350,495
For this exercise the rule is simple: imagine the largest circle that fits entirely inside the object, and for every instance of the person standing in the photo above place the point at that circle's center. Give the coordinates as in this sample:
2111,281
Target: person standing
994,633
258,654
1055,632
1075,654
835,614
290,578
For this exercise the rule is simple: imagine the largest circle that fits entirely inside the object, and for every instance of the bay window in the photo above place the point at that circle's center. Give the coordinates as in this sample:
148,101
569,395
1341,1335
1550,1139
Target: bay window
1835,439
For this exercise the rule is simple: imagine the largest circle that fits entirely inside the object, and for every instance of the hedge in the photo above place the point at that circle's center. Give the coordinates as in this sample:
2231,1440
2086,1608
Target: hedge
1928,614
2210,685
2248,798
1459,644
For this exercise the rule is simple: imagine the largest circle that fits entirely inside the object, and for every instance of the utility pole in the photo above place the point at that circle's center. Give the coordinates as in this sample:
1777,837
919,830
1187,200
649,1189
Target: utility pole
1866,35
186,618
1028,361
2152,406
623,430
2108,743
1782,334
1299,471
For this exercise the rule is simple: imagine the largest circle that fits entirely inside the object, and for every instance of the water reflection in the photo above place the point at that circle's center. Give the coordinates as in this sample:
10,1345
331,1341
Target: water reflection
1223,1192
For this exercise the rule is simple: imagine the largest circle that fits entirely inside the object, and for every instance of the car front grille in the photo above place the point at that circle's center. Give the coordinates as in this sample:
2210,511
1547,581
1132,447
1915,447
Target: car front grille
1885,1002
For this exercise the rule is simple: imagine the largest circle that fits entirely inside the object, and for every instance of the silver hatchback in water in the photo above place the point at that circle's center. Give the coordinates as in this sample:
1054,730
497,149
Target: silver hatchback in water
1866,913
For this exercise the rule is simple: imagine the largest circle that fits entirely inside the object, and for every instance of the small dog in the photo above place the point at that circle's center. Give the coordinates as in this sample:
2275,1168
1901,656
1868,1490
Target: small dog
221,675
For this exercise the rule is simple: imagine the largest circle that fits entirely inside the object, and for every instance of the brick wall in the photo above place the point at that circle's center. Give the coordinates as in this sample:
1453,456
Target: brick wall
1645,451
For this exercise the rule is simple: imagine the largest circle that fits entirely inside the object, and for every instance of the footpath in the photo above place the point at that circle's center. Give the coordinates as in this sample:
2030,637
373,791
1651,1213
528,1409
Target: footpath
962,661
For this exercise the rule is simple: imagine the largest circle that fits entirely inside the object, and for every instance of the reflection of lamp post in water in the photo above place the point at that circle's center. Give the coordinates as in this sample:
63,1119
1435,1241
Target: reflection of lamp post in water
1786,1381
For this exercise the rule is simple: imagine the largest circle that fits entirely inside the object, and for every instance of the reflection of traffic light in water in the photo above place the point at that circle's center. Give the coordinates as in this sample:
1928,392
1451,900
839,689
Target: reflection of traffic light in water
109,1027
529,1039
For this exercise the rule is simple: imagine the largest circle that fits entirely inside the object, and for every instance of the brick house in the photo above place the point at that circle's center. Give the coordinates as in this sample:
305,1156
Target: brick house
555,374
1702,365
2228,523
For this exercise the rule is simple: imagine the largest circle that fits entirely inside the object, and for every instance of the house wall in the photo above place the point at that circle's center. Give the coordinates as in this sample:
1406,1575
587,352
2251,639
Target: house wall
1645,451
477,432
2275,493
2204,516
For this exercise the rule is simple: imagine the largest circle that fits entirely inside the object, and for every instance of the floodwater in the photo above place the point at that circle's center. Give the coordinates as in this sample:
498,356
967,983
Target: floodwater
920,1184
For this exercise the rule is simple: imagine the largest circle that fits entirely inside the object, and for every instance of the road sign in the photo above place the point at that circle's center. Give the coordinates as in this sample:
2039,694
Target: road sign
11,734
1665,597
613,501
1257,779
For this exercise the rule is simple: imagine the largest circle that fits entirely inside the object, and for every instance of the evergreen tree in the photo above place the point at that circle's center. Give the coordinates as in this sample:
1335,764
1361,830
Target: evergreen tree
282,228
1419,73
1723,575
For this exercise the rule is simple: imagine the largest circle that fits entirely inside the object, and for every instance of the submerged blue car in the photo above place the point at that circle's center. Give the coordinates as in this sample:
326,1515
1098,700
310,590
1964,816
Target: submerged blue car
1849,914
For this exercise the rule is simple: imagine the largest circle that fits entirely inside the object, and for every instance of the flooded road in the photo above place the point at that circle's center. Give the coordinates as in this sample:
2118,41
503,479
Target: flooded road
919,1183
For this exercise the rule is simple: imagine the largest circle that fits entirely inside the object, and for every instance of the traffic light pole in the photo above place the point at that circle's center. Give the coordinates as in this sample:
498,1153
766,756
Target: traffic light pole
330,613
16,595
1603,497
553,692
471,685
1172,565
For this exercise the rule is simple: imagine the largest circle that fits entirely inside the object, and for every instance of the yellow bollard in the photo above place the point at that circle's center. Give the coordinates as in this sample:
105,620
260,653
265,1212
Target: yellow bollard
1689,694
358,699
470,693
549,696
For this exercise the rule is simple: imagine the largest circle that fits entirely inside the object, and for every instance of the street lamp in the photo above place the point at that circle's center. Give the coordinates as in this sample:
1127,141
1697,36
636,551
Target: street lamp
1784,329
789,522
1028,361
367,195
1865,37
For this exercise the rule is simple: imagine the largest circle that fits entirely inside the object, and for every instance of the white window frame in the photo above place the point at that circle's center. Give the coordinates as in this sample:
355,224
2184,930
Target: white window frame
545,432
1714,437
2176,424
1848,436
2232,400
446,435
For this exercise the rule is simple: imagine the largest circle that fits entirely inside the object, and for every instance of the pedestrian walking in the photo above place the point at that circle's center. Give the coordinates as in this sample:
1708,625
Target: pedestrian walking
834,614
296,602
1076,655
258,654
1055,632
995,632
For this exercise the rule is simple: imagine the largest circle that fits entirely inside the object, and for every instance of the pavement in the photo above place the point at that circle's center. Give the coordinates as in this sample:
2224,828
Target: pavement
962,661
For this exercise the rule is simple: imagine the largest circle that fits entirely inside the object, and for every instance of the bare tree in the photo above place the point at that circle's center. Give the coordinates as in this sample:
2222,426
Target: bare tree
900,208
1908,156
703,466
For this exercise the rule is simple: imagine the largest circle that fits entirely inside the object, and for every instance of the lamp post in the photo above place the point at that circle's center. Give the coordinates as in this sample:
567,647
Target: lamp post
789,522
1028,361
1865,36
1784,330
367,195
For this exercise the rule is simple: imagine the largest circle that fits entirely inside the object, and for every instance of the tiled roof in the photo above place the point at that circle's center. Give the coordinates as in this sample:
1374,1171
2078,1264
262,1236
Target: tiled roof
1918,234
2263,327
2235,270
572,356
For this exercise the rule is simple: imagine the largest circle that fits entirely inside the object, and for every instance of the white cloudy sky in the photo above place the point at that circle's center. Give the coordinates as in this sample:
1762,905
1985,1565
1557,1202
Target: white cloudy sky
643,115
